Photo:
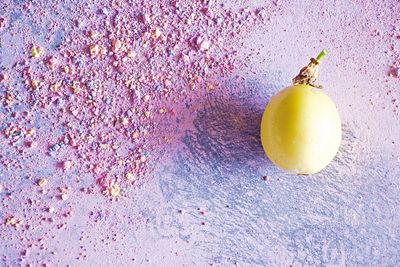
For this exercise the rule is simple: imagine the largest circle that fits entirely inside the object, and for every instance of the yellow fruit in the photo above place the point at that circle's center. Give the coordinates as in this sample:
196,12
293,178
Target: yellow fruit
301,128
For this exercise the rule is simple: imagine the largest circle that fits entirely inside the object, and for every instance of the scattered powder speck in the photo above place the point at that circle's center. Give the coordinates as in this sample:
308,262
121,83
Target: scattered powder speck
42,182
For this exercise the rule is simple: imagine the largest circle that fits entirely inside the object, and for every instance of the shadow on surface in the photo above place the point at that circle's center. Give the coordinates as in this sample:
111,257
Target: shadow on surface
226,139
230,130
221,148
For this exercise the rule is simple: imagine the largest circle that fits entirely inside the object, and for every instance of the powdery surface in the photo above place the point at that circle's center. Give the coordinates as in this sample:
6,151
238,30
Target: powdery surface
130,134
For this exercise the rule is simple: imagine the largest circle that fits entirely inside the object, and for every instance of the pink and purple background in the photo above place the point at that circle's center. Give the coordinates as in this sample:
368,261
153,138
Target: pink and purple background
199,197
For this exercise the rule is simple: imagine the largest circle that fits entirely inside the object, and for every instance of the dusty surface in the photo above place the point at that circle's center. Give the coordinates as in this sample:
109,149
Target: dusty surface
195,195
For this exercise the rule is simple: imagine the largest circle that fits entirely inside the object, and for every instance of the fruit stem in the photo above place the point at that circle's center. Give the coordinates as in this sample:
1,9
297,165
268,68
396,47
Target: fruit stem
309,73
321,55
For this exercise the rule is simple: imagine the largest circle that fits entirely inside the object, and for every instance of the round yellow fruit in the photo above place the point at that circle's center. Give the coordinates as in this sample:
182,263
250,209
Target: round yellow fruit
301,129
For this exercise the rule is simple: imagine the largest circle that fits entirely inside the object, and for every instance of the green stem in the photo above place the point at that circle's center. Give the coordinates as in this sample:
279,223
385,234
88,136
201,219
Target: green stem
322,55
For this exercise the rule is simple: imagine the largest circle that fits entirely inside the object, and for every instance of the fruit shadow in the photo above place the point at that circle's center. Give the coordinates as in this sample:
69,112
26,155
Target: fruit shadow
225,138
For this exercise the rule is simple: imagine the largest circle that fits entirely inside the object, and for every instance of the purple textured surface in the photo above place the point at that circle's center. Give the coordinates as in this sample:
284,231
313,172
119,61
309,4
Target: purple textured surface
204,201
